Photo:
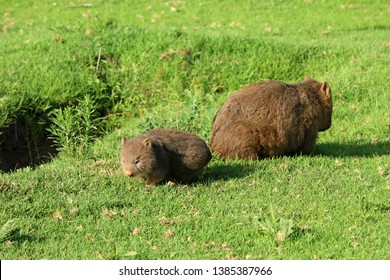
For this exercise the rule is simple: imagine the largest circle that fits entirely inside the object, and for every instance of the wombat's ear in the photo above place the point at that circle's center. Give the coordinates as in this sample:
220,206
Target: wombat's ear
325,89
147,142
307,78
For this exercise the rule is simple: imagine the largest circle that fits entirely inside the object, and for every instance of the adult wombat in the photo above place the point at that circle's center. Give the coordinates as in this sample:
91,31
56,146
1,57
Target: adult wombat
163,154
272,118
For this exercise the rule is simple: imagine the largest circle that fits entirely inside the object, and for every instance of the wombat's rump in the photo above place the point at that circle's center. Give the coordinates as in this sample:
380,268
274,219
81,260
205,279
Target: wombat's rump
164,154
272,118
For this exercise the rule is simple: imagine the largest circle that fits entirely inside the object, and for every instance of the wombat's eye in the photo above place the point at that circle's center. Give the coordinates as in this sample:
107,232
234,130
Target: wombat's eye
136,161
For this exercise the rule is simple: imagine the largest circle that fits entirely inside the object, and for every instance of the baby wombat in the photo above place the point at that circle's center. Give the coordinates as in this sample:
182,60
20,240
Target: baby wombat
164,154
272,118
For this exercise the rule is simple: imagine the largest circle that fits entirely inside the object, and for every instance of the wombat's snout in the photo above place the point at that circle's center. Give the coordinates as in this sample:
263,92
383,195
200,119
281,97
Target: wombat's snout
128,172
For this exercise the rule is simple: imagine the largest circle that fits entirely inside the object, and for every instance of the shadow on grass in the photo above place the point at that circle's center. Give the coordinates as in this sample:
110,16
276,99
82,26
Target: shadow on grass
300,232
373,206
21,238
367,28
353,150
219,172
18,237
23,144
227,171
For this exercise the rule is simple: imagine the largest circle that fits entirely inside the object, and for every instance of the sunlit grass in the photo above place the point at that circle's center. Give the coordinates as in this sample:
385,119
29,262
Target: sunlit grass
172,64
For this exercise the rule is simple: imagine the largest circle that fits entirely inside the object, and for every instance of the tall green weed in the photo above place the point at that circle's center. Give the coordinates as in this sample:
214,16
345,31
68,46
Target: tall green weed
74,128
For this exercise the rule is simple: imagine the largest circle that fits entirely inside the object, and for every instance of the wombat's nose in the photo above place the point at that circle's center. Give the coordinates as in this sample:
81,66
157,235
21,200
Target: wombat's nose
128,173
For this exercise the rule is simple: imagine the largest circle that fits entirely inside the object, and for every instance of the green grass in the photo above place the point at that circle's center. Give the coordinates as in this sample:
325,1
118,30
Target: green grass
85,77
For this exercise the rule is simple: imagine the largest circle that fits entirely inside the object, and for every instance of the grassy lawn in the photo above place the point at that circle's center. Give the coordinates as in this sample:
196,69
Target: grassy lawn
75,78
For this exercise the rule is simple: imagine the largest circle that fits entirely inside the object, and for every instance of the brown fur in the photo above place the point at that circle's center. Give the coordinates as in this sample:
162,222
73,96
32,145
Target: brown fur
163,154
272,118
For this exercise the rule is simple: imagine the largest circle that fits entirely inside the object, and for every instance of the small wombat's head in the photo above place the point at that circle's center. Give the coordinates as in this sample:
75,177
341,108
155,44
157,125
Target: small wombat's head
327,106
137,157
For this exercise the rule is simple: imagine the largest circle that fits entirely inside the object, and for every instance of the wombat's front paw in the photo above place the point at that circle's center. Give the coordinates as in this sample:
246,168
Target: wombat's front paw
150,184
171,184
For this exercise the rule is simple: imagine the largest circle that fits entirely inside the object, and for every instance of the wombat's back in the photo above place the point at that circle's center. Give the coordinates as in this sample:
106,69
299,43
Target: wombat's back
268,102
189,154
